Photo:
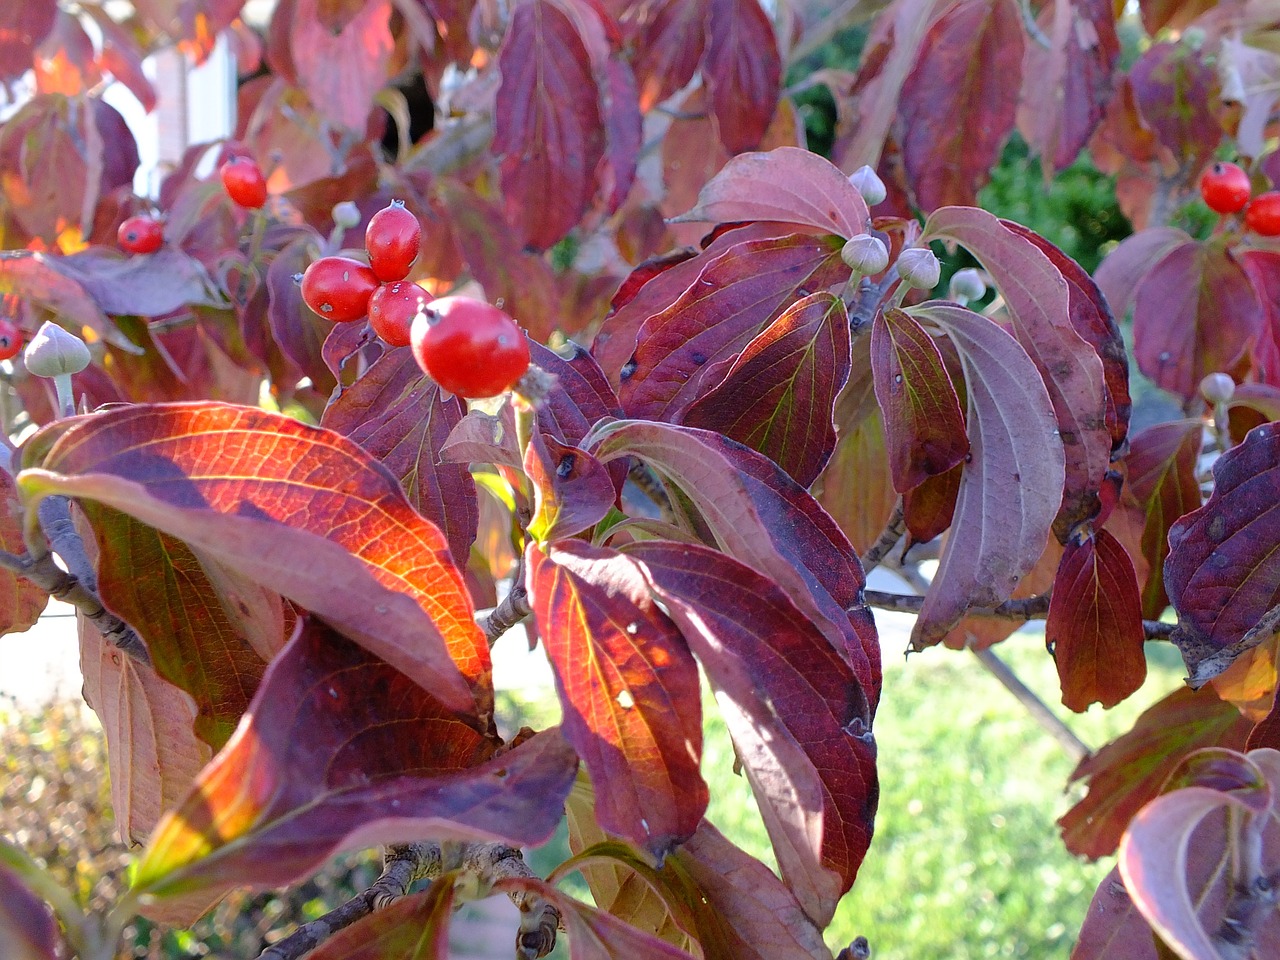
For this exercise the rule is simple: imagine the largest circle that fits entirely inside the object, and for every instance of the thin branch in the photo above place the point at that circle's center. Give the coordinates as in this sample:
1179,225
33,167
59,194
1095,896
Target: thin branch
539,920
1158,629
55,581
1031,608
513,608
1268,626
1033,28
863,307
55,519
1049,720
888,539
402,865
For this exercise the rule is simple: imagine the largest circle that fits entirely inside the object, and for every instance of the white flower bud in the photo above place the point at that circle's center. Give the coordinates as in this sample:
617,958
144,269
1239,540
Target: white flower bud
918,267
868,183
1217,388
346,214
865,255
53,352
966,286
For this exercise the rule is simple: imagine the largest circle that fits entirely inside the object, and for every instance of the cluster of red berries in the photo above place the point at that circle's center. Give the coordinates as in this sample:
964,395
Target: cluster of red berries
241,178
469,347
1226,189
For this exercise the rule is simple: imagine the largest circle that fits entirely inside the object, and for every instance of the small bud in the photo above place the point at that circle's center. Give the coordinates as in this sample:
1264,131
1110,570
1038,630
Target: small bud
918,267
346,214
868,183
1217,388
866,255
53,352
966,286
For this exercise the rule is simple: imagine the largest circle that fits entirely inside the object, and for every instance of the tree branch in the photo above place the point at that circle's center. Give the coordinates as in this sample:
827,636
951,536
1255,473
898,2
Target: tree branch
513,608
887,540
1032,608
1047,719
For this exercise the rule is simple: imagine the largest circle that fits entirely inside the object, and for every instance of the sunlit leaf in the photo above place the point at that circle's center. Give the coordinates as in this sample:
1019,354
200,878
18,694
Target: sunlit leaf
1095,624
301,509
1176,92
668,37
759,515
799,718
573,490
415,927
31,277
733,298
1221,572
1129,771
547,129
924,427
152,749
399,416
22,27
342,64
21,601
789,185
1038,301
382,760
778,396
957,105
1016,462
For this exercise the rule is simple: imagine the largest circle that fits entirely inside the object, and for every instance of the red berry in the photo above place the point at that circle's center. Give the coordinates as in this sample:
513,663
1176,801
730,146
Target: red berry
338,288
10,339
392,239
243,180
1262,216
470,348
140,235
1225,188
392,309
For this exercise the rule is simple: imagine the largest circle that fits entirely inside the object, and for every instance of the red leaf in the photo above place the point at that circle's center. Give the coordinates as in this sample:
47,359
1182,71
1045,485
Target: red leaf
27,926
1092,319
21,601
1177,862
924,428
1252,405
1221,572
341,65
1162,476
1113,928
734,297
1015,460
33,279
157,585
1065,89
779,394
742,71
547,126
957,106
1129,771
152,750
399,416
629,689
381,761
1176,14
64,61
762,517
1124,268
149,286
300,509
624,134
1039,305
1176,92
22,27
481,437
668,37
594,934
573,490
1094,628
1195,313
799,717
787,185
929,508
415,927
581,397
1263,270
744,911
295,328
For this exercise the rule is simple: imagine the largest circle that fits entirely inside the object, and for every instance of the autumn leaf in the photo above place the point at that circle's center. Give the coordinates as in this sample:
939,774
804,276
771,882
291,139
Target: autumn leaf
27,926
301,509
629,690
21,601
415,927
572,489
742,71
342,65
382,760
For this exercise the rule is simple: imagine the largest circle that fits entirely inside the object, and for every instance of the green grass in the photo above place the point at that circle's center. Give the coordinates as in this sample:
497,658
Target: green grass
966,861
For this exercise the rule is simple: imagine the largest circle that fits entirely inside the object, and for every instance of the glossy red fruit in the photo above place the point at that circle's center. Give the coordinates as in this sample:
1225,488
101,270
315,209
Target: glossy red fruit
1262,216
243,180
1225,188
140,235
392,309
392,239
338,288
469,347
10,339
